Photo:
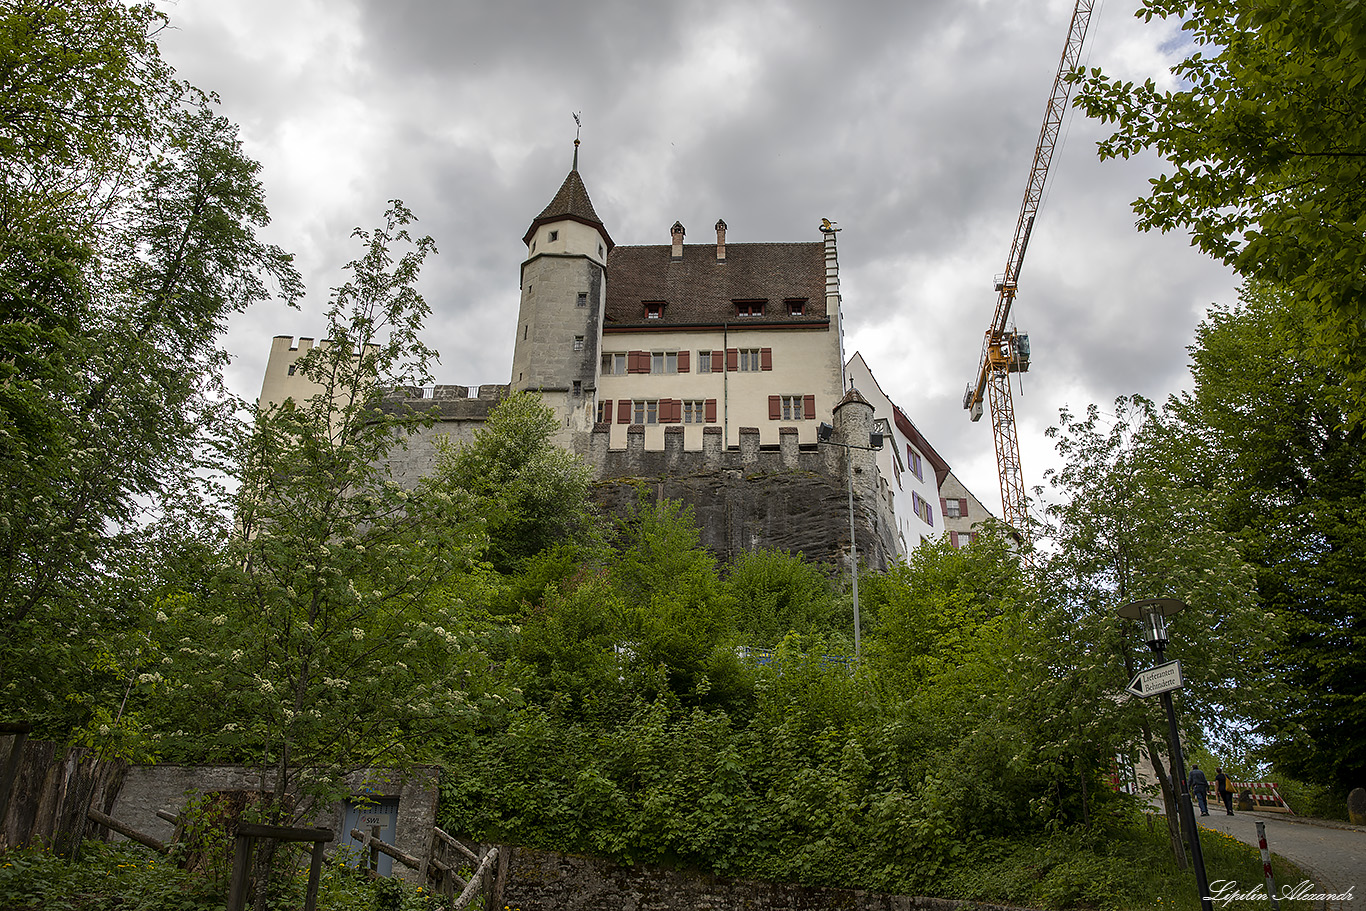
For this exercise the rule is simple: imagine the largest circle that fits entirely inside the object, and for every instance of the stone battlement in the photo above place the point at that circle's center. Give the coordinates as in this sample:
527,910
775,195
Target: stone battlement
492,392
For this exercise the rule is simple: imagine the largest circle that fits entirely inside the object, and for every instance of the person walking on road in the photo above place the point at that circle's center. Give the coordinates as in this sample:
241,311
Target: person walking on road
1199,785
1223,788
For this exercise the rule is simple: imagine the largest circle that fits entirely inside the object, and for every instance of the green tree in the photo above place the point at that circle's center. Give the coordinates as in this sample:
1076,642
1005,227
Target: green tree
1264,137
1268,433
777,593
313,634
128,219
1126,527
531,494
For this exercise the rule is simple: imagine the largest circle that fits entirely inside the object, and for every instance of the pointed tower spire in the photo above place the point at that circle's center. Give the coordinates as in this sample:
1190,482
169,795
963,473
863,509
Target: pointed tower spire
572,203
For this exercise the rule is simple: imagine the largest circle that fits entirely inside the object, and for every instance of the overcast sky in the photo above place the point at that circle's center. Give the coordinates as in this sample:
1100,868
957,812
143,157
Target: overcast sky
912,124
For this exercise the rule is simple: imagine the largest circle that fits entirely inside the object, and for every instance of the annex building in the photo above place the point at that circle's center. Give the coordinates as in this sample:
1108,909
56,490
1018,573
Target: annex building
701,372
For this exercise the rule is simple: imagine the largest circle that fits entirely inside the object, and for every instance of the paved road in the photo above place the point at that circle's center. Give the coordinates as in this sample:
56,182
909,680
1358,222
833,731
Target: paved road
1337,857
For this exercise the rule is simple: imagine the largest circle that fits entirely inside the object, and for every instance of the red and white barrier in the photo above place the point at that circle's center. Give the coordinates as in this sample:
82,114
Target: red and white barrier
1264,795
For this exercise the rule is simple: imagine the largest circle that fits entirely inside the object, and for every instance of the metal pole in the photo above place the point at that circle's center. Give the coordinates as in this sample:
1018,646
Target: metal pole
1184,810
853,550
1266,865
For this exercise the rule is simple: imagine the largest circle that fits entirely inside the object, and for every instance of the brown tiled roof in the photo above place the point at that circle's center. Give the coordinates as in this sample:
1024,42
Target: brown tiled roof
570,202
699,291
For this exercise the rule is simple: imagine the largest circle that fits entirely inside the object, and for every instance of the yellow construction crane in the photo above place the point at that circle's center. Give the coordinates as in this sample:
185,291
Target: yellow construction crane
1005,351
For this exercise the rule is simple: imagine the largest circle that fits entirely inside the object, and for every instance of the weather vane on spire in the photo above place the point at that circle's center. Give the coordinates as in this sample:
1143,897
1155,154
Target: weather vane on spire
578,125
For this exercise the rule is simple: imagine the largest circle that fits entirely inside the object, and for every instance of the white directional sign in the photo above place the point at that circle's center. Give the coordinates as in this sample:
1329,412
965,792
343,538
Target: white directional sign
1156,680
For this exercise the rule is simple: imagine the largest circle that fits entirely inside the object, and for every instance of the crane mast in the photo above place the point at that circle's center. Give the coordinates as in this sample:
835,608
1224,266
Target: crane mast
1005,351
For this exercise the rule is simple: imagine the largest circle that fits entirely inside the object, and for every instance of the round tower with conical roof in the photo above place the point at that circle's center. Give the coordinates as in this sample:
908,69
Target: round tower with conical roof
559,323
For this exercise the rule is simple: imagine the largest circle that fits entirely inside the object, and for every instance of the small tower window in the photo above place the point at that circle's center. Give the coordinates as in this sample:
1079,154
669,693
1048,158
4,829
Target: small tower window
583,299
578,387
578,343
601,251
554,235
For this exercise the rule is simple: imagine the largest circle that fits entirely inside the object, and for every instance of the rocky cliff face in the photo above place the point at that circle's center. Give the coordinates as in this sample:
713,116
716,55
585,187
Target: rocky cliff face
804,512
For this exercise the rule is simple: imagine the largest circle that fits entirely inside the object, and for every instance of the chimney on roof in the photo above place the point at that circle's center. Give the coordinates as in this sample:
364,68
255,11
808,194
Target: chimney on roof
677,232
720,241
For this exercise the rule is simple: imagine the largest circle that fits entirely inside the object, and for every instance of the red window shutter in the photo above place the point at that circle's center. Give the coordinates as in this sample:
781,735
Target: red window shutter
711,411
665,411
809,407
944,506
953,538
633,362
607,411
678,411
624,411
962,507
683,360
775,408
732,359
717,362
765,358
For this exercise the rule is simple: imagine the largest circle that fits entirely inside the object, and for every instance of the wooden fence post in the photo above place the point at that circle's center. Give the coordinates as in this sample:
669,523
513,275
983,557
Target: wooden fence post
20,731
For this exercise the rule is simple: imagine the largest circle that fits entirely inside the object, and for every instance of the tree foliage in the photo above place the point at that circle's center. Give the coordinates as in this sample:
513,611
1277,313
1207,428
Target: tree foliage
128,220
1264,138
1125,528
530,493
1266,431
313,633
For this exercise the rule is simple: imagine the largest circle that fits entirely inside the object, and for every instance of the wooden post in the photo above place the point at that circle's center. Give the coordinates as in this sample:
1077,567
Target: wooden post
16,755
126,831
241,872
476,881
315,872
374,850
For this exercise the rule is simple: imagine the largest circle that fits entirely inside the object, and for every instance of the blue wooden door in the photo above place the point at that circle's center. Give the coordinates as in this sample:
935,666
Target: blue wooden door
364,816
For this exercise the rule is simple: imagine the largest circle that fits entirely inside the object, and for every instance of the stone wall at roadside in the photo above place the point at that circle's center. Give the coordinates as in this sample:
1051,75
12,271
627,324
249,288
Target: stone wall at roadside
533,880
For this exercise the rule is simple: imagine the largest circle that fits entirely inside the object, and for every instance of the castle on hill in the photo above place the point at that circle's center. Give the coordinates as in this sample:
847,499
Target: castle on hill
702,373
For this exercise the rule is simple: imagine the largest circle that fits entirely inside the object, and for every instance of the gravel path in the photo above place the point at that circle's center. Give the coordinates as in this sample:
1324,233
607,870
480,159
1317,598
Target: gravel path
1335,855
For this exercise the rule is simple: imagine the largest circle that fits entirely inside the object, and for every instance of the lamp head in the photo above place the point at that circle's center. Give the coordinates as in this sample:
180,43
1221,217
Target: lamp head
1154,613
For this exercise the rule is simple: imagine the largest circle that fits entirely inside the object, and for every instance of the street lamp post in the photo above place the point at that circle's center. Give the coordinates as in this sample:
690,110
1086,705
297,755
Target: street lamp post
825,434
1154,612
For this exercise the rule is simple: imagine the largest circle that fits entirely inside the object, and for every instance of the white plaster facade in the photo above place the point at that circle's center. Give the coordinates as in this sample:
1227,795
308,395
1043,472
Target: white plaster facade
912,468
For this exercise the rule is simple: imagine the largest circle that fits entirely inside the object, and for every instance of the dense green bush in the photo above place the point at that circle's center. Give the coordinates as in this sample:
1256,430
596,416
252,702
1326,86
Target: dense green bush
127,877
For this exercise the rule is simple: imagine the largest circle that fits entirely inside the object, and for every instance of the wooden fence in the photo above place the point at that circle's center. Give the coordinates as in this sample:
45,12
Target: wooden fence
48,792
440,869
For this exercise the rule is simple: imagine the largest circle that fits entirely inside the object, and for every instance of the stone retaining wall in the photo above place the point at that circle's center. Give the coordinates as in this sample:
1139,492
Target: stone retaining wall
535,880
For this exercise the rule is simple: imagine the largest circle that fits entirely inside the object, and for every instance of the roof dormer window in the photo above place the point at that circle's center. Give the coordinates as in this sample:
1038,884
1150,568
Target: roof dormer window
796,306
749,308
654,309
